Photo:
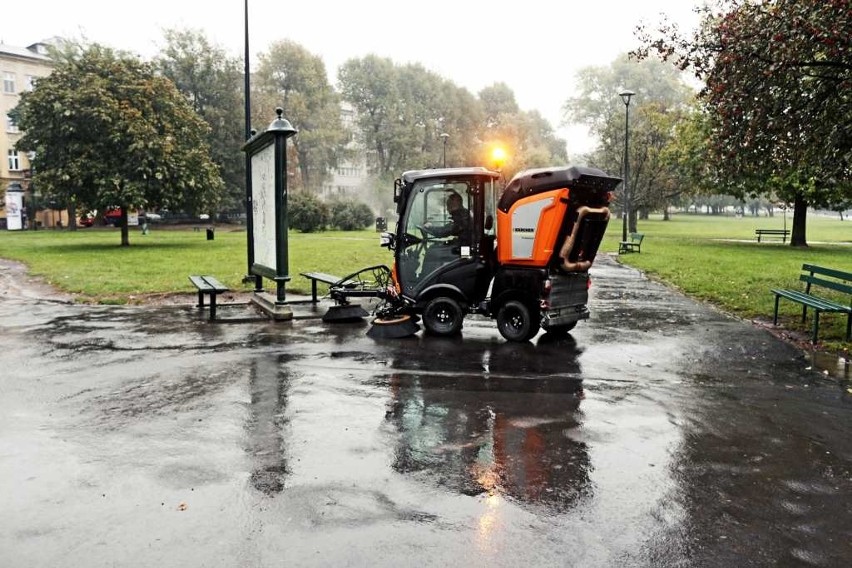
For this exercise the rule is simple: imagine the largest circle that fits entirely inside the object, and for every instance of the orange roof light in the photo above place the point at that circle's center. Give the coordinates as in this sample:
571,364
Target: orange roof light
498,157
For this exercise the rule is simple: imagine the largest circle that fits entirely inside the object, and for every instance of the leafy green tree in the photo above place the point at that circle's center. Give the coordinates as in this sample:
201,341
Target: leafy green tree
403,111
369,85
688,156
291,77
660,102
777,76
458,114
108,131
527,137
212,82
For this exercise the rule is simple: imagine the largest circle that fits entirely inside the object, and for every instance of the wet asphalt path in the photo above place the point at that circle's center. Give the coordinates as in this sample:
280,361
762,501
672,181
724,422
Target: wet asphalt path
662,433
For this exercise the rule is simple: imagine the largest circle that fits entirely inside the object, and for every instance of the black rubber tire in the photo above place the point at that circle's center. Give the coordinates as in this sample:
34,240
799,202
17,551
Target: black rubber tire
516,322
443,316
560,330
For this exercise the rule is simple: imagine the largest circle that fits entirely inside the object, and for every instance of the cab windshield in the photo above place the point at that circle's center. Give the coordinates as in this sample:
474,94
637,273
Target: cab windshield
435,227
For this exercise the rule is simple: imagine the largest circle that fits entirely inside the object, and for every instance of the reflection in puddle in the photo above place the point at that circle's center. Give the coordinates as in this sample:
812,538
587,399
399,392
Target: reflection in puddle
269,384
498,445
831,365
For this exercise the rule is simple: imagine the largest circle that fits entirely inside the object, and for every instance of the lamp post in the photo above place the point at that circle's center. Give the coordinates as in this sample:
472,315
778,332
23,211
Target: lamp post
249,197
444,136
625,96
31,188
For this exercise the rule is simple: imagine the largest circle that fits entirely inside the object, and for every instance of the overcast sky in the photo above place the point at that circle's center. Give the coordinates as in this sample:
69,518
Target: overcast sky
534,46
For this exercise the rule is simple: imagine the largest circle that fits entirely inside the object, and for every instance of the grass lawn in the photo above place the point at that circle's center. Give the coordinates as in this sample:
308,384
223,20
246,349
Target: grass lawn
718,260
89,262
715,259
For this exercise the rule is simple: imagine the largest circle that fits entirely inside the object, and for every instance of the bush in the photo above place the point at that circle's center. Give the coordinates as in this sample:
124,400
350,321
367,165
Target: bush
306,213
351,215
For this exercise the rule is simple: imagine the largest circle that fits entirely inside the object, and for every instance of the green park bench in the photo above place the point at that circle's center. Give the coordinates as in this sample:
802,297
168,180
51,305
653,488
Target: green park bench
325,278
632,244
827,278
772,233
208,286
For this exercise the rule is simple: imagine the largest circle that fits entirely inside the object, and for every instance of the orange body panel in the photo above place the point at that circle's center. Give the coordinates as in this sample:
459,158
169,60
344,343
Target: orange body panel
527,233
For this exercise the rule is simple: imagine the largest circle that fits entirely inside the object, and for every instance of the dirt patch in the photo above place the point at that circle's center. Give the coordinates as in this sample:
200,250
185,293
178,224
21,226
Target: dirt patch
800,339
189,298
16,282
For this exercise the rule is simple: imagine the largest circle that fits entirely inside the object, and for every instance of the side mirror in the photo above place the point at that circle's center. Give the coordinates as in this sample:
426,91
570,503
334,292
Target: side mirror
489,223
387,240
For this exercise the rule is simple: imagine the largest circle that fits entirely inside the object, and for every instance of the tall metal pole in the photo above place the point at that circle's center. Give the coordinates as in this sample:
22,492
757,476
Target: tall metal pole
258,280
445,136
625,96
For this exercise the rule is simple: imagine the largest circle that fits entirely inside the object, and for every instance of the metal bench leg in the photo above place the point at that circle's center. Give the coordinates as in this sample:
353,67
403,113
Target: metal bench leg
212,306
849,327
775,319
200,299
816,327
314,291
804,313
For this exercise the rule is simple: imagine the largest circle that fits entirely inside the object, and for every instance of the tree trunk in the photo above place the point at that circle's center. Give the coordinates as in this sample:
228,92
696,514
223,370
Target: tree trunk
125,233
666,213
800,215
72,216
631,222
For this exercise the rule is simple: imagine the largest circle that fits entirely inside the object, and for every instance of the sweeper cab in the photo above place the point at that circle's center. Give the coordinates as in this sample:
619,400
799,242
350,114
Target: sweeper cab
462,246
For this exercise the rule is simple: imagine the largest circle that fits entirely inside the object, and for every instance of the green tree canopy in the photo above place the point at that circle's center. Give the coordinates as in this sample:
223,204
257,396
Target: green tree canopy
291,77
528,138
108,131
777,77
404,110
661,99
212,82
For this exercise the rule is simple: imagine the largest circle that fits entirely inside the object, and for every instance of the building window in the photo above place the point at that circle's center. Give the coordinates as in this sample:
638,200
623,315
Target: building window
14,161
11,127
9,83
30,82
347,171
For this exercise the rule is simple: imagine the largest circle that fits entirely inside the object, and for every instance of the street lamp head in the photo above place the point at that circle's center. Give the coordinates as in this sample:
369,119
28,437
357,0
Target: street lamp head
625,96
444,135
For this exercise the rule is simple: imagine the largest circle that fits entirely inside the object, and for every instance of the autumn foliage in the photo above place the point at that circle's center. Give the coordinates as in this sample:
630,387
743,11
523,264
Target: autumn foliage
777,78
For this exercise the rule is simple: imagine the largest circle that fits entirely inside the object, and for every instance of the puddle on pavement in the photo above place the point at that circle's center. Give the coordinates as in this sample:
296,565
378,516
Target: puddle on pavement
831,365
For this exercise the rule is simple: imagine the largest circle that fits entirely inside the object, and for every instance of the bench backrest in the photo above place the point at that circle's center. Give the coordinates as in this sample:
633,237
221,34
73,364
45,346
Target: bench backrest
842,280
637,237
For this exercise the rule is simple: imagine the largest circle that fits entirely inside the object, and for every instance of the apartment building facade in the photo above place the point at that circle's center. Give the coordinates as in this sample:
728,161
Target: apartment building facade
19,68
349,178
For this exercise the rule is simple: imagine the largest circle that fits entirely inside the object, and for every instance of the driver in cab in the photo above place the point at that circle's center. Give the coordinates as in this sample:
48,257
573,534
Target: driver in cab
459,225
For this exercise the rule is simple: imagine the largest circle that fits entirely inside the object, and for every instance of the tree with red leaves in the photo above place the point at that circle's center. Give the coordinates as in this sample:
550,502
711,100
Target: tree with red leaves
777,78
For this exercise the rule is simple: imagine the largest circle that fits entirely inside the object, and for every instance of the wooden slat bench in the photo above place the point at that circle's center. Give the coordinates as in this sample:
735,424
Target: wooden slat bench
827,278
632,244
207,285
772,233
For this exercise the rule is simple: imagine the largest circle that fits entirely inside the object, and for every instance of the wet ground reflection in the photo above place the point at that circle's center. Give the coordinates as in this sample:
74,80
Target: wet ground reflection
490,443
269,385
660,433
